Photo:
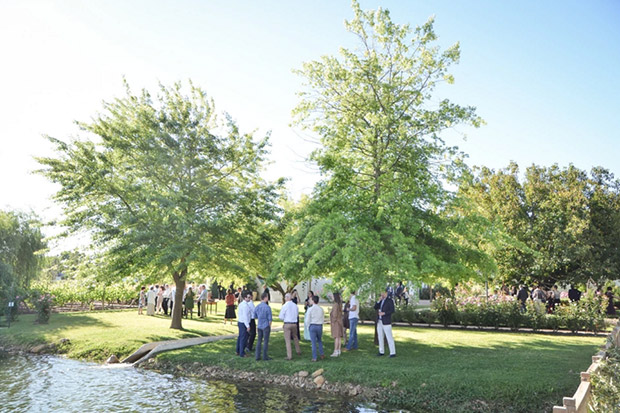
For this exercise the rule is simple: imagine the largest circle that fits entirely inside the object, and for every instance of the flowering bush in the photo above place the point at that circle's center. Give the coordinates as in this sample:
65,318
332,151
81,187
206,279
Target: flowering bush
469,307
43,305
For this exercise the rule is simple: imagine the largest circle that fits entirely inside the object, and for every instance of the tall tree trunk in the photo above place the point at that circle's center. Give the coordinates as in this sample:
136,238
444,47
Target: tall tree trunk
177,309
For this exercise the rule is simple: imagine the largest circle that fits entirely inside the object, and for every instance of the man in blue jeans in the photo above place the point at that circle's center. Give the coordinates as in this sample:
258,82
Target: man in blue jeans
316,318
264,318
354,317
243,321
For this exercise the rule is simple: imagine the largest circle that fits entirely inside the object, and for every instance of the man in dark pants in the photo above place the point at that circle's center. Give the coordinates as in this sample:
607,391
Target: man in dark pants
243,321
523,295
252,333
264,318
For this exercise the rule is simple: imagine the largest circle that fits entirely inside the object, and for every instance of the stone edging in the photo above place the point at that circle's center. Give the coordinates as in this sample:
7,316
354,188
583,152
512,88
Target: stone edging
580,400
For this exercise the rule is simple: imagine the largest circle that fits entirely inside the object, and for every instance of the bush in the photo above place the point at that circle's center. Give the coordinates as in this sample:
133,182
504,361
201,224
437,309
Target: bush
446,310
43,304
605,388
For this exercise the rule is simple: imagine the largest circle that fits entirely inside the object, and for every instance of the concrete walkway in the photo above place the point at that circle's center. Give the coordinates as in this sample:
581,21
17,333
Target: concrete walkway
150,350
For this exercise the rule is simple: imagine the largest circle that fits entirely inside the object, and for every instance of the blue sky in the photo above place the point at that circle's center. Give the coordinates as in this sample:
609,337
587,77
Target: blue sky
543,74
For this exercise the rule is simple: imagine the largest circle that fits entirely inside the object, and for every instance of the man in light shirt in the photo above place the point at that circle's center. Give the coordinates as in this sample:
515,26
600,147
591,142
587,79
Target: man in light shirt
354,312
243,321
202,302
288,314
316,318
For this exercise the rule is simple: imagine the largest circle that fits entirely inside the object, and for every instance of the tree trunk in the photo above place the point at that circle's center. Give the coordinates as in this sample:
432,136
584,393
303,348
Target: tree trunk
177,309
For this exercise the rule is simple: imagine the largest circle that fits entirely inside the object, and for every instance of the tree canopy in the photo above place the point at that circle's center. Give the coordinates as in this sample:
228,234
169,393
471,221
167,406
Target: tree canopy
564,224
379,212
166,186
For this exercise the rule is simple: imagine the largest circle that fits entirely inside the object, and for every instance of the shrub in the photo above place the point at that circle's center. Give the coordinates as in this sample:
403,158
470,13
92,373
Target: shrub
446,309
43,306
605,389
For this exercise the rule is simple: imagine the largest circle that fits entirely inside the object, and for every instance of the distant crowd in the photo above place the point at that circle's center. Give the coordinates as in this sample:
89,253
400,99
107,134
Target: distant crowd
549,298
159,299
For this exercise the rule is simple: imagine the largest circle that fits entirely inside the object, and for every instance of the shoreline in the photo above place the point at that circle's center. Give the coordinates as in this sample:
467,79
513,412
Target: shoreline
304,380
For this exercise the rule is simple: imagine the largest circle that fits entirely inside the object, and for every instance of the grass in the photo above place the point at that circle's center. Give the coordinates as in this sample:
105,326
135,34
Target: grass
435,369
95,335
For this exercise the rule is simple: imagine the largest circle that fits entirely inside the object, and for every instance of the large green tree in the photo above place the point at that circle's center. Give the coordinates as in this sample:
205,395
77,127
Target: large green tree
561,225
165,186
379,212
21,248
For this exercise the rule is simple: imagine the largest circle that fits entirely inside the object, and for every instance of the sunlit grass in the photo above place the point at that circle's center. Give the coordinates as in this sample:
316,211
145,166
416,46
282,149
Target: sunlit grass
435,369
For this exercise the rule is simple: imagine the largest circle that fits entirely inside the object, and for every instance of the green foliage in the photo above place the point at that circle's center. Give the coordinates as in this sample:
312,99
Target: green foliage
166,188
21,245
552,225
380,213
446,310
606,384
86,293
43,305
586,315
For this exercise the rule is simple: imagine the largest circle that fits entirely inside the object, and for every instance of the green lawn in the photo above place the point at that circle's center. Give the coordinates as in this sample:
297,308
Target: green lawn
96,335
435,369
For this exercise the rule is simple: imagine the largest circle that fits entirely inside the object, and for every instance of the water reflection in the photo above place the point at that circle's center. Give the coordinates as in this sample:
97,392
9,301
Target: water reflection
46,383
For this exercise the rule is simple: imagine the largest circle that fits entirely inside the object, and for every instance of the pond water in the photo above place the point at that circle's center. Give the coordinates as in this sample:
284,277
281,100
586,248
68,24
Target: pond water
31,383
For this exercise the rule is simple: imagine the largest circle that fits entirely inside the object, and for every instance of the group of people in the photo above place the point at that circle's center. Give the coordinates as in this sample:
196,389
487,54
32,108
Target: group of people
549,298
259,319
542,297
159,299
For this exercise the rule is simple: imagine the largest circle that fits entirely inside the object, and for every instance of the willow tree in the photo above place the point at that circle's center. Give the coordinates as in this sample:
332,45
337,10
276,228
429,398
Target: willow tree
21,248
164,186
379,213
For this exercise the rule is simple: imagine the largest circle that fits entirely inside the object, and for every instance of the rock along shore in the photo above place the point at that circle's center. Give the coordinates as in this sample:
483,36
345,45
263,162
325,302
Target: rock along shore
304,380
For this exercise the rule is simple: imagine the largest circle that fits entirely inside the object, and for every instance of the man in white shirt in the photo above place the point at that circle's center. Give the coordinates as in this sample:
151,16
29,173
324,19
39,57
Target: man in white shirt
316,317
354,316
202,301
243,321
288,314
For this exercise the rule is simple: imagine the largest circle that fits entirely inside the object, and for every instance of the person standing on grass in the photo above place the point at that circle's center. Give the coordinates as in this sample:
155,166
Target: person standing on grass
189,302
150,301
345,321
522,296
243,322
252,333
160,299
289,314
354,317
264,318
230,307
295,300
385,308
202,300
316,318
336,324
166,301
141,300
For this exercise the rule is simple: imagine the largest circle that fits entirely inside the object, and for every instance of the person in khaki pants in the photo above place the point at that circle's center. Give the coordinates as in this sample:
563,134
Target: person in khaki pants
289,314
